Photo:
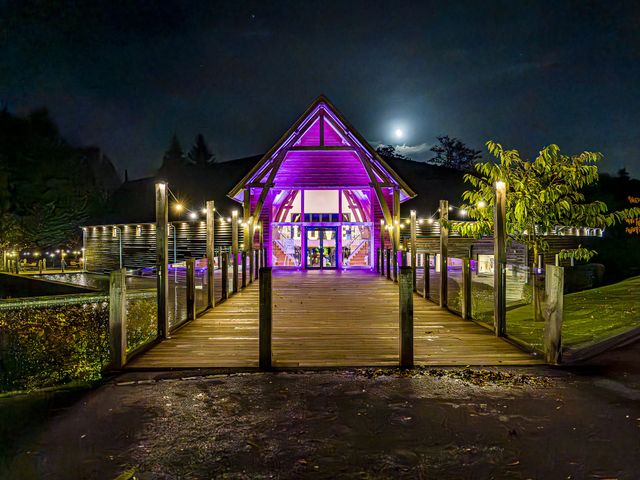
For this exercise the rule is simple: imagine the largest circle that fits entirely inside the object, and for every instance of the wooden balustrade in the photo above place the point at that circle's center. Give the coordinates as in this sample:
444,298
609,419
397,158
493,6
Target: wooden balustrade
265,317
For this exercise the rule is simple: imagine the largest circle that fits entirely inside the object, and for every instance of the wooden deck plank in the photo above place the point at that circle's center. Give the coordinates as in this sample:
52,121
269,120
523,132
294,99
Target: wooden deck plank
329,318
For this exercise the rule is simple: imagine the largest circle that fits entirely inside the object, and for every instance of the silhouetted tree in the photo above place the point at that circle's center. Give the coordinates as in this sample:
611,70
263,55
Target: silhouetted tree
390,152
200,154
623,174
47,188
174,156
452,153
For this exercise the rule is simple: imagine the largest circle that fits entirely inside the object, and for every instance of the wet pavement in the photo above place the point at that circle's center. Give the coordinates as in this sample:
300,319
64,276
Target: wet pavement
360,423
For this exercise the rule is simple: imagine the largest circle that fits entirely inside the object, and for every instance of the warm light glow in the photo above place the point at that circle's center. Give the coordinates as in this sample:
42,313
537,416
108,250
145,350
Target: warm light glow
193,215
178,207
420,221
430,220
500,185
228,219
450,208
463,212
234,213
482,204
257,227
203,211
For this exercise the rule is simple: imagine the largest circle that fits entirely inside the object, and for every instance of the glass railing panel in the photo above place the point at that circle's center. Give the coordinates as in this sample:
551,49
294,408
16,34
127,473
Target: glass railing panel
142,317
481,293
420,262
53,340
201,285
525,299
177,302
434,279
454,284
596,314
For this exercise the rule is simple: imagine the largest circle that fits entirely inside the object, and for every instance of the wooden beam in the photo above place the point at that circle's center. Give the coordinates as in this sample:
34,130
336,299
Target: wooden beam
211,298
234,250
499,258
444,251
191,288
269,183
118,318
466,288
265,316
224,267
554,306
414,256
162,254
406,316
383,204
395,244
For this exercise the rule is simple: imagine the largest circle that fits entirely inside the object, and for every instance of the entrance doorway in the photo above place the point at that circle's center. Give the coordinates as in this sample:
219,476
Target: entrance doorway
321,247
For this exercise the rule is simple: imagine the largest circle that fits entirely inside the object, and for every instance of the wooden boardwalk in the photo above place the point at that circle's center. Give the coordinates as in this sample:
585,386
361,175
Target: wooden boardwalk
329,318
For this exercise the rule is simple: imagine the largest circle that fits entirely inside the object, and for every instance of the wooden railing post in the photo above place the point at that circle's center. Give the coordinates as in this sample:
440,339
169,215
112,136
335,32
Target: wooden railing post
425,278
224,272
466,288
211,297
191,288
499,259
554,306
382,247
406,316
265,318
118,318
414,255
250,250
444,251
388,264
396,231
243,257
162,257
234,250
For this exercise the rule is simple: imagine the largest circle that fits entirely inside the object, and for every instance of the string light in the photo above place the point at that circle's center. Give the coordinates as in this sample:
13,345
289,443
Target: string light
482,204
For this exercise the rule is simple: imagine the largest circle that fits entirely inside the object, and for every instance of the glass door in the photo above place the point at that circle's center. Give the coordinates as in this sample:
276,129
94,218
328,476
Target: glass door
321,247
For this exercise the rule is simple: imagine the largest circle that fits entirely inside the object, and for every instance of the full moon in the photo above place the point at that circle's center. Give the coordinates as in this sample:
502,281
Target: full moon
399,133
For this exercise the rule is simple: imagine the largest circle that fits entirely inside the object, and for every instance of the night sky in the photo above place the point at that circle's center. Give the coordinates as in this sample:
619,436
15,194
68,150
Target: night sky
126,75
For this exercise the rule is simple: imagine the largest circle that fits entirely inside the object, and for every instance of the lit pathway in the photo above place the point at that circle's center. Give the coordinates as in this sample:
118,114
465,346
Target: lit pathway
329,318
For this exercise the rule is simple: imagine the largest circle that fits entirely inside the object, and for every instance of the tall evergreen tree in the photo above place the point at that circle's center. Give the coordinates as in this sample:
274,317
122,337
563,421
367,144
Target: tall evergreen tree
200,154
173,157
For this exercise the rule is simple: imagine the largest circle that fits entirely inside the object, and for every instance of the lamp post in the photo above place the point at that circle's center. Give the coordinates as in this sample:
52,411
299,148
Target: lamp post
499,258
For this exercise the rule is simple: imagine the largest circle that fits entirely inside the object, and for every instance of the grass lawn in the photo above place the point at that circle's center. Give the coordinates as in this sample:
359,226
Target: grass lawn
589,315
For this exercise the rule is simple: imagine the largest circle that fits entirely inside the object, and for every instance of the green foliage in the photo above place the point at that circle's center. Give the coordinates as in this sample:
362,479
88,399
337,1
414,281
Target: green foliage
142,320
541,195
46,345
51,345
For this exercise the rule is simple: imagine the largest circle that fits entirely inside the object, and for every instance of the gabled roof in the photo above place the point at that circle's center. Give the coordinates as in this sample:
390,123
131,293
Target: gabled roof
341,132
